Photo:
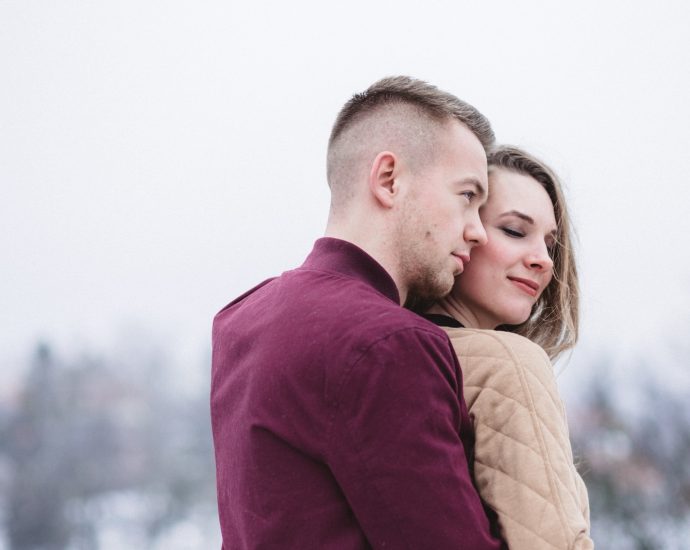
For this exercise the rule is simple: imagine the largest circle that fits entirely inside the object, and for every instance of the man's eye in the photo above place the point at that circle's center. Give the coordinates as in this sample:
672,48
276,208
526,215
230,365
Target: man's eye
469,195
512,232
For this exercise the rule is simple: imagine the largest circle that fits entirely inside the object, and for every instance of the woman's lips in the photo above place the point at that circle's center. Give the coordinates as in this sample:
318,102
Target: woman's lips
526,285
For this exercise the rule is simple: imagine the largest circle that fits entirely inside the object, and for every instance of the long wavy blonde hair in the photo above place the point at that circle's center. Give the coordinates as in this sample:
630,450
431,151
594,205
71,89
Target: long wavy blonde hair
553,323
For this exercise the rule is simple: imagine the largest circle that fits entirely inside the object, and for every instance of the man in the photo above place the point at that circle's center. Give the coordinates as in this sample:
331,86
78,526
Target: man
338,416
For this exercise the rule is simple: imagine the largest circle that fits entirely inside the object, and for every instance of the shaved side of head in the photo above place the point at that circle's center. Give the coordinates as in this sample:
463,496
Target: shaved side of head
398,114
401,128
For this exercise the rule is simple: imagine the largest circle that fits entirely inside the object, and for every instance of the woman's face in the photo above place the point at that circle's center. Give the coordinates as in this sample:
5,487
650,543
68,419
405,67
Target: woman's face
505,277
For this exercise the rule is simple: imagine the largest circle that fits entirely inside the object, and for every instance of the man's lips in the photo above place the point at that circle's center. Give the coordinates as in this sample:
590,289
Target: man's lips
526,285
461,259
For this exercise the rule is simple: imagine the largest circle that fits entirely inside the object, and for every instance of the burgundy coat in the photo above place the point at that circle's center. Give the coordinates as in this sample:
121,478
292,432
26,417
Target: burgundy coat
338,417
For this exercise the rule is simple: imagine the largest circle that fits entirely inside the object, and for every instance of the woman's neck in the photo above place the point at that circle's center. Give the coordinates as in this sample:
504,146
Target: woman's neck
453,308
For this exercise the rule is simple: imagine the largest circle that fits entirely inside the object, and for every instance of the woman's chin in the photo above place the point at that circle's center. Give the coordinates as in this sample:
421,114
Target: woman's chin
515,318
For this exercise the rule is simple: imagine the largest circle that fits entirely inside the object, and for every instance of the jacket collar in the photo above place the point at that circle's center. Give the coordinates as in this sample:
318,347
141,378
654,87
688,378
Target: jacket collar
343,257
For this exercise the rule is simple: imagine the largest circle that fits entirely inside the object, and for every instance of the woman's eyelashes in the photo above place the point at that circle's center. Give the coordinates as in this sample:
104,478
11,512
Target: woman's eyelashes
518,234
512,232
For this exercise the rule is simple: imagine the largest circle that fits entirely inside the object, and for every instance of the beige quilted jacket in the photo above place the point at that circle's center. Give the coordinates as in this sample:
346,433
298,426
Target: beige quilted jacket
523,461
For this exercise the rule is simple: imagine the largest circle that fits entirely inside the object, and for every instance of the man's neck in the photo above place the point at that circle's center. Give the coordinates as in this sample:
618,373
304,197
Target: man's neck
375,249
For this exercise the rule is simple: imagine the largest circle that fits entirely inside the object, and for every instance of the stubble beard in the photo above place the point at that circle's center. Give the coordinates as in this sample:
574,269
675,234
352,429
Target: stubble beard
427,280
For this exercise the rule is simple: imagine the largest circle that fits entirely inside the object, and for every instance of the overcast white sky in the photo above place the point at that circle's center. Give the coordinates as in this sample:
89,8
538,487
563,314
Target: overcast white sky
158,158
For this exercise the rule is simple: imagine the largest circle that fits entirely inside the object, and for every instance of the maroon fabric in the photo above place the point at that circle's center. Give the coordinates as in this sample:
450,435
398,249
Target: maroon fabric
338,417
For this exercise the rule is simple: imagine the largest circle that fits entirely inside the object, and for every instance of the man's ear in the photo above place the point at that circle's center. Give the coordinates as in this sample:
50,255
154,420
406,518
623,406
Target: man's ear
382,184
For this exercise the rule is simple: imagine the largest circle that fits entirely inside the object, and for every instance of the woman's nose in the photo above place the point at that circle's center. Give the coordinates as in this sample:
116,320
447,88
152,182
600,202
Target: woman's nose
539,258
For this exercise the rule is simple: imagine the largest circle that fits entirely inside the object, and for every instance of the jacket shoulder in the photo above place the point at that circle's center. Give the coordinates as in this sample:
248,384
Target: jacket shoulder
498,345
503,363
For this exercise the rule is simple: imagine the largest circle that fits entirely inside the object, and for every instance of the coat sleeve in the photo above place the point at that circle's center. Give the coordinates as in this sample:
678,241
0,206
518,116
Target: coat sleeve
396,451
523,463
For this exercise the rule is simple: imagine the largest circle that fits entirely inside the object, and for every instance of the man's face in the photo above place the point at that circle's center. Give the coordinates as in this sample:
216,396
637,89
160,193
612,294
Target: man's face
440,221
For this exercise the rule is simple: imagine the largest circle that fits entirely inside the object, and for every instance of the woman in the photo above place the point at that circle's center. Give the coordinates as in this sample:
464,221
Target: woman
523,282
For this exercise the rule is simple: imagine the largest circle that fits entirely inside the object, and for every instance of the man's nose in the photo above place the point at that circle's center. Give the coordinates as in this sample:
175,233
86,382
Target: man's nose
475,232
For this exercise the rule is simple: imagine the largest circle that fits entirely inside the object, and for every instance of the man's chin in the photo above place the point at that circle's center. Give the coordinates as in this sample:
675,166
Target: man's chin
422,295
445,285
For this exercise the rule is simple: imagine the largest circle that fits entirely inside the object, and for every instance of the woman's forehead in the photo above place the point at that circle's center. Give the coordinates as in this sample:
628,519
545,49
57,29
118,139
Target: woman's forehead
513,192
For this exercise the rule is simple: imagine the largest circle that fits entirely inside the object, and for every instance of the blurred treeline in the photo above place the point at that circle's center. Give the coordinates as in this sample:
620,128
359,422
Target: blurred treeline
104,453
631,432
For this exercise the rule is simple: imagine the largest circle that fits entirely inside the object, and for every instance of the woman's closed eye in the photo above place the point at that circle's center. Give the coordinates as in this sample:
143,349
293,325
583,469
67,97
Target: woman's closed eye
512,232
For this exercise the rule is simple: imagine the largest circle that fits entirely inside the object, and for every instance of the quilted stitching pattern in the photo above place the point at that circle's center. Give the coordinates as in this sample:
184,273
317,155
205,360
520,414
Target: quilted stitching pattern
523,460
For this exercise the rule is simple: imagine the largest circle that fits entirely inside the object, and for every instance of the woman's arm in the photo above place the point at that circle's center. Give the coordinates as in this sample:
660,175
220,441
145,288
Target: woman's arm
523,459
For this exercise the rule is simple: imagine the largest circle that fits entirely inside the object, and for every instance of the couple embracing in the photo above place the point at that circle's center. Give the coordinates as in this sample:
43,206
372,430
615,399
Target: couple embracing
396,390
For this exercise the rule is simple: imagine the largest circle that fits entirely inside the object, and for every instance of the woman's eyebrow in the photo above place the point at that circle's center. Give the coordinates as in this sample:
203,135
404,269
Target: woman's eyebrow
528,219
520,215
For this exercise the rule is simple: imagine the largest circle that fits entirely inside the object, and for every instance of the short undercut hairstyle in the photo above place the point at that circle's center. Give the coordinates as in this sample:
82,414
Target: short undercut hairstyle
410,110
